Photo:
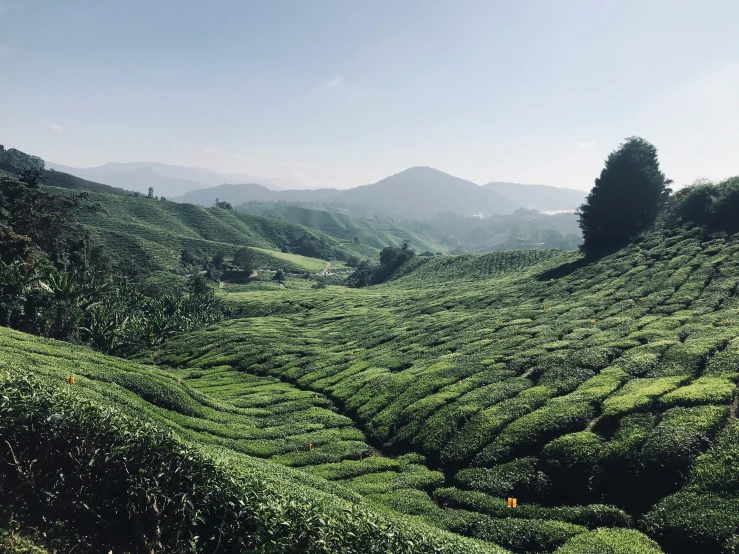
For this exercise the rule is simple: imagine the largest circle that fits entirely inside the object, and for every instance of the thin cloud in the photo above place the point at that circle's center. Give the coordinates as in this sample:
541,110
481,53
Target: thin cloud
210,150
586,145
336,82
58,129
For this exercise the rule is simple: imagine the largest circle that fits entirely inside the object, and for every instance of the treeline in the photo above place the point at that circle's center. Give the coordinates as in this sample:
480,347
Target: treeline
391,259
714,207
55,283
631,196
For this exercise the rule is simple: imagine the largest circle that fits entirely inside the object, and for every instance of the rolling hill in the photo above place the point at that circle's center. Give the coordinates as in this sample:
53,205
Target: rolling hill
250,192
150,234
598,393
421,192
375,233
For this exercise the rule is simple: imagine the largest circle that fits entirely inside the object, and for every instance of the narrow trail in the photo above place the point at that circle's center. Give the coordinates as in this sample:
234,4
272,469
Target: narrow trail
326,268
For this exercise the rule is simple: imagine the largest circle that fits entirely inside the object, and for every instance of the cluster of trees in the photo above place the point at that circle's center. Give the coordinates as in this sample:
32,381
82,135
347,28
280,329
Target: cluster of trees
713,207
217,267
632,193
391,258
55,283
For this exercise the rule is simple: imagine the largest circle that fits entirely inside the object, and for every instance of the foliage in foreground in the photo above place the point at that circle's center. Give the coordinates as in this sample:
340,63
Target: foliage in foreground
55,283
162,494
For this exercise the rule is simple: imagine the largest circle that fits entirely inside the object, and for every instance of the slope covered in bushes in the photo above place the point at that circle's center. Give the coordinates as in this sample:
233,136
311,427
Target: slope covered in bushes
600,393
152,233
128,458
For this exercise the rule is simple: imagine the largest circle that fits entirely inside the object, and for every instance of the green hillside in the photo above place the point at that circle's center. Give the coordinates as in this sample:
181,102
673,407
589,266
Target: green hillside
601,394
598,394
152,233
377,234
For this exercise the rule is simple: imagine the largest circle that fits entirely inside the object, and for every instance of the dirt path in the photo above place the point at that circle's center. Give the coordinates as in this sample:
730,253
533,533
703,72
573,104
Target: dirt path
325,269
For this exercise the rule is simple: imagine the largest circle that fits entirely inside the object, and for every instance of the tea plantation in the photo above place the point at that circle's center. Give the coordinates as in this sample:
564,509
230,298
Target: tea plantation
151,234
601,394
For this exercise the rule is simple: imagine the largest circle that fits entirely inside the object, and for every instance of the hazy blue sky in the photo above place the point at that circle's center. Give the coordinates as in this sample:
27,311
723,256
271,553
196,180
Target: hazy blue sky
342,93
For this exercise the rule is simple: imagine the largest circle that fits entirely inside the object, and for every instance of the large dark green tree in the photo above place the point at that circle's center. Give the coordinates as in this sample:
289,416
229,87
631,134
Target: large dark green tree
625,199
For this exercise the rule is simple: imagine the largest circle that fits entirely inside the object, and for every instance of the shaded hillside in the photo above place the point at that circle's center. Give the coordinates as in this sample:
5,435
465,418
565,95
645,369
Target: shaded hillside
522,229
150,234
540,197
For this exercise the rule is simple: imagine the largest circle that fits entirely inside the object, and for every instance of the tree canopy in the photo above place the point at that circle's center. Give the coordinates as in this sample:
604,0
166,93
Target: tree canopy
626,197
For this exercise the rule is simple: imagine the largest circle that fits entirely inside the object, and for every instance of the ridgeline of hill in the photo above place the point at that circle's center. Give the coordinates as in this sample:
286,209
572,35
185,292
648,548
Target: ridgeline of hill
540,197
151,234
414,194
167,179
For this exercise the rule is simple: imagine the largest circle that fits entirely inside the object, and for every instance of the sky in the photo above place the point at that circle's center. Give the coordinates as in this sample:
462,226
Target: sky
340,93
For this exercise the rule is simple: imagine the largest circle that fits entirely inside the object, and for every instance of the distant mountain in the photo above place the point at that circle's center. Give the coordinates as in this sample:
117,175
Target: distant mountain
540,197
422,192
252,192
416,193
167,180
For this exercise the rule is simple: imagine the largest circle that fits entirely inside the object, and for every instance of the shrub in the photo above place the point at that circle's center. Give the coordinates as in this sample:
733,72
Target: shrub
520,478
686,523
682,435
610,541
161,494
527,535
591,516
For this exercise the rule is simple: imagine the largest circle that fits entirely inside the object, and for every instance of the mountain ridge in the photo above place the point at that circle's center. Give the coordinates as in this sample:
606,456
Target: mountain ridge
166,179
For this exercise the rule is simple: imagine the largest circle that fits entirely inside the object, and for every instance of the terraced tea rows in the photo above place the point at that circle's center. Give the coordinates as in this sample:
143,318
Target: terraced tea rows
568,385
202,471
